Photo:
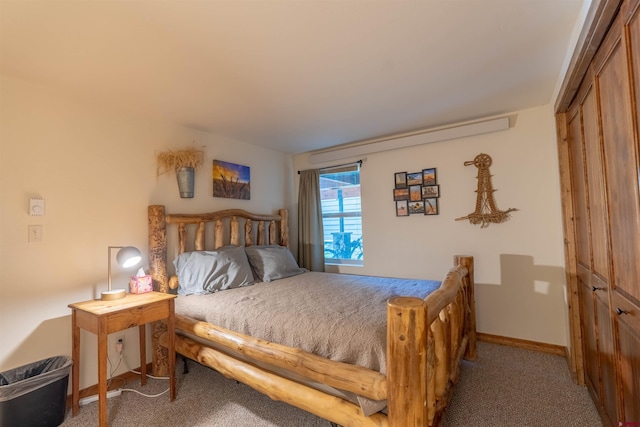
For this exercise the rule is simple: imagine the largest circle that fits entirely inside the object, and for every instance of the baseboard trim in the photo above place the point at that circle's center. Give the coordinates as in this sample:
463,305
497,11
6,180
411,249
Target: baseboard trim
525,344
116,382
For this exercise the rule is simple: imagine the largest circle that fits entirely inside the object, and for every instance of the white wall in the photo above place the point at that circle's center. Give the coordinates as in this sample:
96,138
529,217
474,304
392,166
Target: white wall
95,168
520,285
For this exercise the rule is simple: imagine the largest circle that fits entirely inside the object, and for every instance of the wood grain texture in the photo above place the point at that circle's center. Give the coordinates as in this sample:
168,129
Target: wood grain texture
284,227
159,355
599,16
200,238
248,232
219,234
182,238
558,350
261,233
407,362
235,231
576,355
158,248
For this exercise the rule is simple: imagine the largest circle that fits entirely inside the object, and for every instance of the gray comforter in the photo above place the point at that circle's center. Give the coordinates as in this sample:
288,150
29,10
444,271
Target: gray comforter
336,316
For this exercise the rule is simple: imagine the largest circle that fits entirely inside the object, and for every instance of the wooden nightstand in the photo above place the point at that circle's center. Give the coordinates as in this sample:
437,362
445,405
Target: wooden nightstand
105,317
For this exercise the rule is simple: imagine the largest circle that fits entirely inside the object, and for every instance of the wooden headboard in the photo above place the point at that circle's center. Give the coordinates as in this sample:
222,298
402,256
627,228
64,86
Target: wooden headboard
193,234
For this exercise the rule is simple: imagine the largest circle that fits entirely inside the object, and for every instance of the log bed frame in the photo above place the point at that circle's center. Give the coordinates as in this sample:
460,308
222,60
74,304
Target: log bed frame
426,339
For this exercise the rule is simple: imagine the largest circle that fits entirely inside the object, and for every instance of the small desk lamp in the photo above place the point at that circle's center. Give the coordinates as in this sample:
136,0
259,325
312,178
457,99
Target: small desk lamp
127,256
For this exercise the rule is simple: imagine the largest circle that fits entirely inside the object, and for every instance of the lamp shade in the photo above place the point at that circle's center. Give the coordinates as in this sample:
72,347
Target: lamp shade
128,256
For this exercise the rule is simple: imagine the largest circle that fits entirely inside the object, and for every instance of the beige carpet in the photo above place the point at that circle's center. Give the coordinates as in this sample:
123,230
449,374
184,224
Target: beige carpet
504,387
509,387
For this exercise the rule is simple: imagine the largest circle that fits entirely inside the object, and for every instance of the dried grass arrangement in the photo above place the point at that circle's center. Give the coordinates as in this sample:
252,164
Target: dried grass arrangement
174,160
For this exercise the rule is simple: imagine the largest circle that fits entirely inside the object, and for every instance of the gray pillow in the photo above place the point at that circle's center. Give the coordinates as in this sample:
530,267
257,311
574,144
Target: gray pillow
203,272
271,262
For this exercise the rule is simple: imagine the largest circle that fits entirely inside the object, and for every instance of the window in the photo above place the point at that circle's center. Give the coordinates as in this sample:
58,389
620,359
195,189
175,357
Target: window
341,214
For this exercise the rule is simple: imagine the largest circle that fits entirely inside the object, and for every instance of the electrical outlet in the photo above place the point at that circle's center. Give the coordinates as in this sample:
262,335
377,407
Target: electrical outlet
120,345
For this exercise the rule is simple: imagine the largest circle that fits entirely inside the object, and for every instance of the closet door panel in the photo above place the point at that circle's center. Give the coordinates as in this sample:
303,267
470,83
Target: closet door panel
626,296
621,170
596,188
633,32
615,122
599,280
630,370
589,332
606,353
578,185
628,323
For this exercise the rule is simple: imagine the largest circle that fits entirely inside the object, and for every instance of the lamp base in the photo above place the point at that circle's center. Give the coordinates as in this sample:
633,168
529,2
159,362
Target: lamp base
112,295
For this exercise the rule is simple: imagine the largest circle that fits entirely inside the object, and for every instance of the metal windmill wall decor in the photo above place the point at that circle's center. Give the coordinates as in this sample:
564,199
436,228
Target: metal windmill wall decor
486,210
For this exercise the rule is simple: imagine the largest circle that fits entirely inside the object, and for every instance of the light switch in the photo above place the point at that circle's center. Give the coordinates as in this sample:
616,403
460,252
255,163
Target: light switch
36,206
35,233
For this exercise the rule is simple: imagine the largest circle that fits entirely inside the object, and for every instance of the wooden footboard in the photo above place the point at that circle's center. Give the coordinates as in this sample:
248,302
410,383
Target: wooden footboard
426,340
281,388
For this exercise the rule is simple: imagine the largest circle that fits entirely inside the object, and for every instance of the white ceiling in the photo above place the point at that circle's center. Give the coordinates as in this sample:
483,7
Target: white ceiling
293,75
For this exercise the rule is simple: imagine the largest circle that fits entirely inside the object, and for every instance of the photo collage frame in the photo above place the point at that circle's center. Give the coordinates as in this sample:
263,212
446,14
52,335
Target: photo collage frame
416,192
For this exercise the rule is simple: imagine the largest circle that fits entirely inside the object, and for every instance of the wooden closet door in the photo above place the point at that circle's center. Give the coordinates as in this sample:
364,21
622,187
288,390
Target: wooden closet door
590,216
599,274
625,224
588,316
621,163
617,100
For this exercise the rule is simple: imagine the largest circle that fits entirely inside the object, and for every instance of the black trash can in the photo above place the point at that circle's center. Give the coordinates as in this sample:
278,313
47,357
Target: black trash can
35,395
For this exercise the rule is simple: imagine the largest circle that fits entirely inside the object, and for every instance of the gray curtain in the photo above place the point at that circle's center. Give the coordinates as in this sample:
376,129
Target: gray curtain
310,232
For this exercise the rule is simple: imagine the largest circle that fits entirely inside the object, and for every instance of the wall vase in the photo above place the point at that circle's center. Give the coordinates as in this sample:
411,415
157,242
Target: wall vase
186,182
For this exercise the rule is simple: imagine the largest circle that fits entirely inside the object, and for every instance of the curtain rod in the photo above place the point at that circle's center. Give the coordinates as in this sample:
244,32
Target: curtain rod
359,162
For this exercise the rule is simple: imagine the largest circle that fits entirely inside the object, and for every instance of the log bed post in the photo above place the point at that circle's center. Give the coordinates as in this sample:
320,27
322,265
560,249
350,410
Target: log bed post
423,351
284,227
466,261
158,248
407,362
158,266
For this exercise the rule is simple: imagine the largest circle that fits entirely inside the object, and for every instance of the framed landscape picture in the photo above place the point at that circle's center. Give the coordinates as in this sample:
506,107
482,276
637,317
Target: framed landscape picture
400,194
415,193
429,176
231,180
414,178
